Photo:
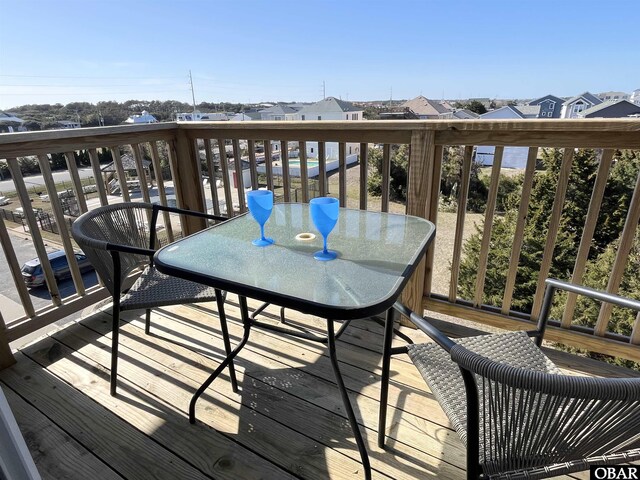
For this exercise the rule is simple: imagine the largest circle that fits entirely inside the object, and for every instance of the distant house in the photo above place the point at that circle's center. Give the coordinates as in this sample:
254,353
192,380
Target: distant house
330,109
462,114
427,109
613,96
246,116
10,123
619,109
512,157
201,117
550,106
572,107
635,97
399,113
68,124
145,117
279,112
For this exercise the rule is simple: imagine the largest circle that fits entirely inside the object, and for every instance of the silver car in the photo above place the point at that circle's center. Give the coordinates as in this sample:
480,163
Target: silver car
33,274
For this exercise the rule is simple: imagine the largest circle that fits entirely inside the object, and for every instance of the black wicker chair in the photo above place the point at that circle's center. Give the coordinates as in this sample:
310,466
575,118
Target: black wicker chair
120,238
517,414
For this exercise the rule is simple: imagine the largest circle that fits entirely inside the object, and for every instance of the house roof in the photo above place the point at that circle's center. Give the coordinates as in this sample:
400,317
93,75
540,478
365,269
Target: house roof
279,110
128,163
9,118
589,97
465,114
423,106
528,111
331,105
553,98
630,106
507,108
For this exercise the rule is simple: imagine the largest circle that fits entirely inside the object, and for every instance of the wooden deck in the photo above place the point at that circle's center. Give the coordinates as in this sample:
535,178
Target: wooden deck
287,421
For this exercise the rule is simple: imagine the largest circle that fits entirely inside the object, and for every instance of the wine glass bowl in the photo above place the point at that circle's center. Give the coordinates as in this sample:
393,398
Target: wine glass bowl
260,203
324,213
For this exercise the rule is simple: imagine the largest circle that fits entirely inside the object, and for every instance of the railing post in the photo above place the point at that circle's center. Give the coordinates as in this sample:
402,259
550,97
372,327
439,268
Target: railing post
421,162
186,180
6,357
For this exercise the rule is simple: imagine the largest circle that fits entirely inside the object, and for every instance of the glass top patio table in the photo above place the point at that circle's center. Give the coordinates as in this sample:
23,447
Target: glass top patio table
378,252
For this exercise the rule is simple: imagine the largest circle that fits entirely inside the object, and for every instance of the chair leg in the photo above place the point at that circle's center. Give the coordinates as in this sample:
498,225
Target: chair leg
115,333
147,321
386,367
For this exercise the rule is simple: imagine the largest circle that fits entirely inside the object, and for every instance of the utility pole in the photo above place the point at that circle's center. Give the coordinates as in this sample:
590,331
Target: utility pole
193,95
390,97
324,92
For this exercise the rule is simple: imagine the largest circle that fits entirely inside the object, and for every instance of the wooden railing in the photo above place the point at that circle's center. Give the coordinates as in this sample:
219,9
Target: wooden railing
186,147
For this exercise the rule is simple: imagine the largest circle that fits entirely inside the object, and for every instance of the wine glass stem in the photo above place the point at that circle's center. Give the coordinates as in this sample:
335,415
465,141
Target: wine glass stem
262,231
324,238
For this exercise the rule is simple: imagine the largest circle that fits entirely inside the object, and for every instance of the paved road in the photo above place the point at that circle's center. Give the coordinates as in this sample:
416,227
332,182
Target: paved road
37,180
10,304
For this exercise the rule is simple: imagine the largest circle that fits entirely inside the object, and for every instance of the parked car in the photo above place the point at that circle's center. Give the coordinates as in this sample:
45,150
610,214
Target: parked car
19,212
33,274
4,200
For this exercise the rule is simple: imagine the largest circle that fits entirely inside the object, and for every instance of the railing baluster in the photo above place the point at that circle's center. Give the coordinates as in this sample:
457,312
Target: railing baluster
635,333
304,173
342,173
268,164
70,157
6,357
552,231
462,212
432,214
237,162
322,169
587,232
97,176
224,166
518,236
624,248
364,167
122,176
14,268
253,166
284,161
212,177
34,229
58,214
157,170
488,225
142,176
386,177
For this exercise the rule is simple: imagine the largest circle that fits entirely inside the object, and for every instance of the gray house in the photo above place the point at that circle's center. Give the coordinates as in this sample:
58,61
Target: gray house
550,106
619,109
574,106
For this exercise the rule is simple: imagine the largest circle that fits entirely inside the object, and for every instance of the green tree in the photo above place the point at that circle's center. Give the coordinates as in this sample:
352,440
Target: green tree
398,172
476,106
582,177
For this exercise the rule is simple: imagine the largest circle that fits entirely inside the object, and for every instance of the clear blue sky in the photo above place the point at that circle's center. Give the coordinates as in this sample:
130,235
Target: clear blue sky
248,50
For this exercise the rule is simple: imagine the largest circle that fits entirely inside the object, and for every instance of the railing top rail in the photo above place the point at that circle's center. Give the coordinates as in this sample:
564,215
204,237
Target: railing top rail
618,133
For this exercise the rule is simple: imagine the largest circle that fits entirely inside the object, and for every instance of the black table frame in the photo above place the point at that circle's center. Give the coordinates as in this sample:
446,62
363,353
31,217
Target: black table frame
330,313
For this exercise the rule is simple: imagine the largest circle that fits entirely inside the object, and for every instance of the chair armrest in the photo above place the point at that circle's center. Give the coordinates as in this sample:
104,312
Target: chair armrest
113,247
422,323
595,294
192,213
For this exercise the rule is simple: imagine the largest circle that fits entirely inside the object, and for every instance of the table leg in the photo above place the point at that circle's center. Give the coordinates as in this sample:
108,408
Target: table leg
386,366
246,322
345,400
225,338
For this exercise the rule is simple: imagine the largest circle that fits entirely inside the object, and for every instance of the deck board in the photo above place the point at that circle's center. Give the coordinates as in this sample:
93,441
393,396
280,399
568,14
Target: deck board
286,422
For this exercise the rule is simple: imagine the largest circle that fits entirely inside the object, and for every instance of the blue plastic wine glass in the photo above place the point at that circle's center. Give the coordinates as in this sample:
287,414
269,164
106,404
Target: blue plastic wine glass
324,213
260,204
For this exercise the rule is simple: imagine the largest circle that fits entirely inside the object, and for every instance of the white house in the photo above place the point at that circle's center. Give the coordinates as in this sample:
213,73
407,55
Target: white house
145,117
574,106
10,123
278,112
246,116
635,97
68,124
331,109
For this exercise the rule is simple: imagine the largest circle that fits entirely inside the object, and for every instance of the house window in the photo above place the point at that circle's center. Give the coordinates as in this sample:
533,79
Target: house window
552,105
311,149
302,117
354,116
346,116
319,117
